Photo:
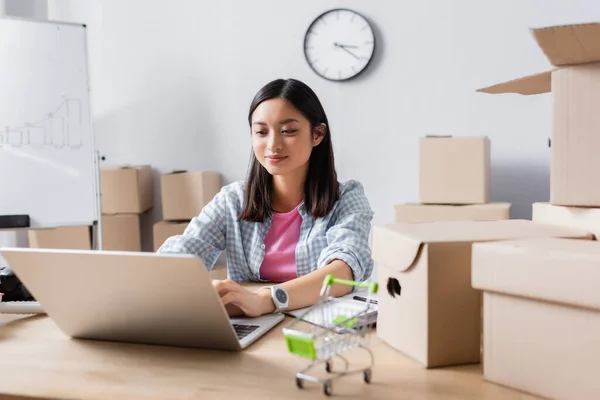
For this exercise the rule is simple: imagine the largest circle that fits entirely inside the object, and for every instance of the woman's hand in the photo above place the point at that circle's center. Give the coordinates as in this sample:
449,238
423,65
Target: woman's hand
240,301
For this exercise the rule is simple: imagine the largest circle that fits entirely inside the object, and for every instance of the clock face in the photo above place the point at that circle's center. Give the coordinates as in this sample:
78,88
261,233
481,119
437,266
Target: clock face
339,44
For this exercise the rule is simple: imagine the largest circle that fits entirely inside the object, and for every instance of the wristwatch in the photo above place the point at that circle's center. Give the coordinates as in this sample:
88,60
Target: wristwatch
280,298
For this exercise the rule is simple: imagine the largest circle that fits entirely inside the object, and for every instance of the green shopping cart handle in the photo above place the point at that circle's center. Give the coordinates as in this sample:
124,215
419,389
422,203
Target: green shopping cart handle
372,286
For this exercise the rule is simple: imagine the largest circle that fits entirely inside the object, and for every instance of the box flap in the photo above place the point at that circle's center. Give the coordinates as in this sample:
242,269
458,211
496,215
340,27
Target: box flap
569,44
482,231
136,167
576,217
558,270
124,167
529,85
392,249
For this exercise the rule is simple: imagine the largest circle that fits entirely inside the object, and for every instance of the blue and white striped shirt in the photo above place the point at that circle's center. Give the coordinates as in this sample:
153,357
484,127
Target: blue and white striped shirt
343,234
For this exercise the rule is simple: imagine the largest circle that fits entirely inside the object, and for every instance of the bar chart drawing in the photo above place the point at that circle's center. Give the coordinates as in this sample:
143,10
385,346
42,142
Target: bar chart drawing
60,129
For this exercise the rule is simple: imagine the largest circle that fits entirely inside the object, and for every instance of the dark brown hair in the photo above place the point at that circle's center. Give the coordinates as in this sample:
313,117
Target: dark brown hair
321,186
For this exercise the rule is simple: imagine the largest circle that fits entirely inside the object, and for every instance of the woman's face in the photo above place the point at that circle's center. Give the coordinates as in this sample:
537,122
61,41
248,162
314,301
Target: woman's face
282,138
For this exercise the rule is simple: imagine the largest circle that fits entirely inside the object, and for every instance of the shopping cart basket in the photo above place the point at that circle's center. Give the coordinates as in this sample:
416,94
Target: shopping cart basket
342,326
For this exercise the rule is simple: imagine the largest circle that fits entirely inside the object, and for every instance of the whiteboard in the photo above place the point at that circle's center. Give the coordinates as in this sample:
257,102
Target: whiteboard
48,162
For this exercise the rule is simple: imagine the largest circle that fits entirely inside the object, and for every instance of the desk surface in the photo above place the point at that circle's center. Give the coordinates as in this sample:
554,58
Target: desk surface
38,360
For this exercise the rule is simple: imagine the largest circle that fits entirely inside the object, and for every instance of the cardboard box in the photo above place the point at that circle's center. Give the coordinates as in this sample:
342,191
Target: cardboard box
65,237
184,194
575,85
427,306
574,217
126,190
418,213
163,230
541,315
121,232
454,170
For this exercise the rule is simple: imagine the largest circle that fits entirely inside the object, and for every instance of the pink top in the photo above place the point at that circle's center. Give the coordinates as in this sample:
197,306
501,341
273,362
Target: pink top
279,264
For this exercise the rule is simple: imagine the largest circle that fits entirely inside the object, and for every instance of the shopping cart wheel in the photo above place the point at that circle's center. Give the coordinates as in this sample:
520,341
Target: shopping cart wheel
299,383
327,388
328,366
367,375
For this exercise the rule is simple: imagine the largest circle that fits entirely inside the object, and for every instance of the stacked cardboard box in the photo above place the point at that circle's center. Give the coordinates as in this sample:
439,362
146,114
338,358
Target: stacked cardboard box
65,237
428,308
541,315
126,192
163,230
183,195
541,308
454,182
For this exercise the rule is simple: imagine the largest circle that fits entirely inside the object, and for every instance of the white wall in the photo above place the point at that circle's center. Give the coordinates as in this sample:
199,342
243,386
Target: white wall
172,81
27,8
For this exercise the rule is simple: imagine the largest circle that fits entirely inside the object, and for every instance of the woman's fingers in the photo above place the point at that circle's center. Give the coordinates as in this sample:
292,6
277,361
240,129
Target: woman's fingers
233,302
231,297
237,299
230,301
225,286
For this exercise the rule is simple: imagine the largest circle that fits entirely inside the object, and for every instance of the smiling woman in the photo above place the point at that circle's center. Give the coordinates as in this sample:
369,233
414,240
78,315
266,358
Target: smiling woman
292,147
290,222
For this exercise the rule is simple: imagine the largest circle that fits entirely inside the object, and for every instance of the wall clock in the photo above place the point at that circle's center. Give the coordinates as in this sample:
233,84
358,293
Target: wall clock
339,44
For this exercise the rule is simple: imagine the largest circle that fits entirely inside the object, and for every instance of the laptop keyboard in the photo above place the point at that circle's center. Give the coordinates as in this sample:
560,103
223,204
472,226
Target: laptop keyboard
244,330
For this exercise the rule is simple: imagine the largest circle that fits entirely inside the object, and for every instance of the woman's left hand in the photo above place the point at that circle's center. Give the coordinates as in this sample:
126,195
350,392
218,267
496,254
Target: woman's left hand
241,301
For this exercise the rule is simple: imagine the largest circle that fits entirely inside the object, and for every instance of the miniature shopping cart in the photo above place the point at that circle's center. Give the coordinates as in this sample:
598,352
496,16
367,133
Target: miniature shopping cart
329,328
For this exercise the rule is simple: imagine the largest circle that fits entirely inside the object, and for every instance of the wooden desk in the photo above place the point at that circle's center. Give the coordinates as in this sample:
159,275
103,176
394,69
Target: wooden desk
37,360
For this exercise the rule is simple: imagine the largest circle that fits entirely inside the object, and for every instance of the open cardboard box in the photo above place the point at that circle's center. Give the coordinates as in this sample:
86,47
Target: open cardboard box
428,308
574,80
541,315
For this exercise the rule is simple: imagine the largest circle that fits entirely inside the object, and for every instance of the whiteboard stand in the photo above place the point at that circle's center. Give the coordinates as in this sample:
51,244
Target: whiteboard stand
97,233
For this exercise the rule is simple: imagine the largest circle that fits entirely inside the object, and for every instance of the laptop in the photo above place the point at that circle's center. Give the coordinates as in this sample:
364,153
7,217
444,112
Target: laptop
135,297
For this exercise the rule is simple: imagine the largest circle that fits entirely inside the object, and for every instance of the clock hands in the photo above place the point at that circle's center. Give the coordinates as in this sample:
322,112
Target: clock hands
351,53
344,47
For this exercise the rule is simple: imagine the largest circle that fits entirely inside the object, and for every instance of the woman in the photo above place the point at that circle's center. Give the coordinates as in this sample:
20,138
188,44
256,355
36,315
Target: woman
291,222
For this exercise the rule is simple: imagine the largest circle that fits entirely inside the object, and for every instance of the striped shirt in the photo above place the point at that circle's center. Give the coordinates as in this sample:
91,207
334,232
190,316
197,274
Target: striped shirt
342,234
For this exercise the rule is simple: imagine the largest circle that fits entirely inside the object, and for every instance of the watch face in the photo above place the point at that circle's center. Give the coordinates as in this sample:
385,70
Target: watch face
339,44
281,295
